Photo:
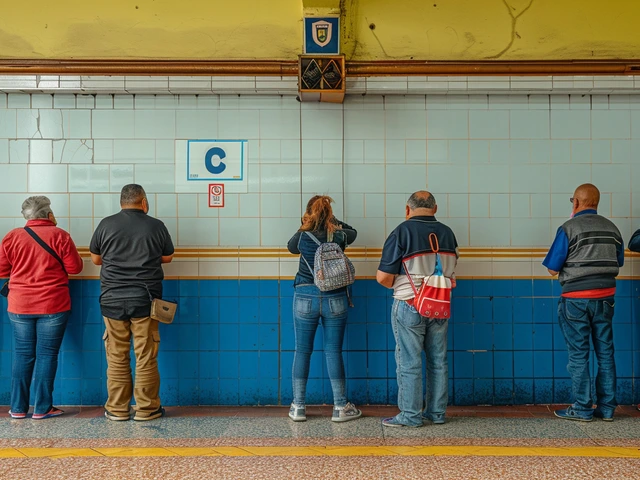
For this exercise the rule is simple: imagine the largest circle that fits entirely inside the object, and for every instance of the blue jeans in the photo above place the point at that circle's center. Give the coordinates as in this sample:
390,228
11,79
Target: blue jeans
415,334
309,306
581,319
37,343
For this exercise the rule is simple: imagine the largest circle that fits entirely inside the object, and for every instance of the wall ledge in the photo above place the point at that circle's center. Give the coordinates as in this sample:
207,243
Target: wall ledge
168,67
288,85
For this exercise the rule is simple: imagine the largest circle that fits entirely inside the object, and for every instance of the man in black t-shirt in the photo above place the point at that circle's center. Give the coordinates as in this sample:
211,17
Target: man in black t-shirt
131,248
409,244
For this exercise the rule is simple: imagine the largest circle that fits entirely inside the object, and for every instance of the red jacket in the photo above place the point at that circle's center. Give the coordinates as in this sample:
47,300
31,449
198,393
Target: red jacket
38,285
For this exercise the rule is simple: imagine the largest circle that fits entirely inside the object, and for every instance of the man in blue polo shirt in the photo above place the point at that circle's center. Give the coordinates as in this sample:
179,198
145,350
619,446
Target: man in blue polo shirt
587,254
409,243
634,246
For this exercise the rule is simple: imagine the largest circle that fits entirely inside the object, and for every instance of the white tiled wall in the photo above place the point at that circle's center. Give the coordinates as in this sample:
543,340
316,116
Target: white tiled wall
502,167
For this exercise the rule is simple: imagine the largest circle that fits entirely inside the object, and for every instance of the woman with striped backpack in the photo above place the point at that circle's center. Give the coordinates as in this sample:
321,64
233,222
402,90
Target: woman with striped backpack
321,293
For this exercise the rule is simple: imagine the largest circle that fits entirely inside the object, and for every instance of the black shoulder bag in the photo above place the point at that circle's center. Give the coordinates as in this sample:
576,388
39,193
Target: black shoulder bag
4,291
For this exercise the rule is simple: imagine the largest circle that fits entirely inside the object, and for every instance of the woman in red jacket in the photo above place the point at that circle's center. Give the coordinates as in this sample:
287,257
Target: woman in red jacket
37,259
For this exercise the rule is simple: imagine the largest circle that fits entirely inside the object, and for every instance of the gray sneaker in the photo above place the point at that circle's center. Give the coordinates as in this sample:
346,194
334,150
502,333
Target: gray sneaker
298,413
346,413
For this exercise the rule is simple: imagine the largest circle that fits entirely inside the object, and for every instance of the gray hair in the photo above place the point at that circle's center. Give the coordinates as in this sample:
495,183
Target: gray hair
35,207
132,194
421,200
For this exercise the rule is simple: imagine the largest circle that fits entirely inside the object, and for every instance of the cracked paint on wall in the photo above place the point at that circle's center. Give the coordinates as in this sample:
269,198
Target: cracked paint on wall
248,29
515,15
492,29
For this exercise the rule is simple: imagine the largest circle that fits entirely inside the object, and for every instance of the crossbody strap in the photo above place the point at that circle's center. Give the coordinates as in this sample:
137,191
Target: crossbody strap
46,247
406,271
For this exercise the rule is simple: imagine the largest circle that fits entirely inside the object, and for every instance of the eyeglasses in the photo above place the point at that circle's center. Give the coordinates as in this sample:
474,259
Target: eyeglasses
571,199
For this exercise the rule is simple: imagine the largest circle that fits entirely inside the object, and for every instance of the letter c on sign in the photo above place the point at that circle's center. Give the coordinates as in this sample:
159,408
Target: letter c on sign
215,152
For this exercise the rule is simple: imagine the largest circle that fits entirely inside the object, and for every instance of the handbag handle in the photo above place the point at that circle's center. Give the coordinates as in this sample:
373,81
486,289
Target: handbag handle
433,243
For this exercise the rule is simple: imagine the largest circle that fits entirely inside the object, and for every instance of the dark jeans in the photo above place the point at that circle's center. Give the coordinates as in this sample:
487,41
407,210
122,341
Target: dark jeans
581,319
37,343
309,306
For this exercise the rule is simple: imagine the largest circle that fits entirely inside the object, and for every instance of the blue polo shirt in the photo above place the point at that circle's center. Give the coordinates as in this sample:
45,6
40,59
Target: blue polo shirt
409,245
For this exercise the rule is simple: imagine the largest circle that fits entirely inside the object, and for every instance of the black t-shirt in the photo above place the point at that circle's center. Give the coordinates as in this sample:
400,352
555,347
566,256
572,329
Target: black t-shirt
131,245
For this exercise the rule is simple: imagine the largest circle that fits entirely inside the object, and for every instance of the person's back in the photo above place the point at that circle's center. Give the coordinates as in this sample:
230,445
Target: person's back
310,305
409,243
303,244
38,259
634,246
131,247
408,248
593,254
39,283
586,255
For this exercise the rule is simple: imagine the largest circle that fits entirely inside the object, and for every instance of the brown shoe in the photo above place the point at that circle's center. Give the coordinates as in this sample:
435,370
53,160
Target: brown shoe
157,414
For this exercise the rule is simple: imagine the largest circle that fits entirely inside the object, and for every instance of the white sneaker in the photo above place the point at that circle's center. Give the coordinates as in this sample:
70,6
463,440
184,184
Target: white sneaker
346,413
298,413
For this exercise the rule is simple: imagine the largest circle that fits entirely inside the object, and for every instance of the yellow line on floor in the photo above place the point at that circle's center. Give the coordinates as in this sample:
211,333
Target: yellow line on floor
333,451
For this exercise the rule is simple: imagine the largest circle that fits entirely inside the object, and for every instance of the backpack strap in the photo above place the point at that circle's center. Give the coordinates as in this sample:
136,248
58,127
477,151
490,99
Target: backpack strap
313,237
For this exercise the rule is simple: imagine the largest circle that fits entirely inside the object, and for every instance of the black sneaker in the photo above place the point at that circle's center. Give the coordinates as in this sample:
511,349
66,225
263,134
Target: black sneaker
157,414
116,418
607,417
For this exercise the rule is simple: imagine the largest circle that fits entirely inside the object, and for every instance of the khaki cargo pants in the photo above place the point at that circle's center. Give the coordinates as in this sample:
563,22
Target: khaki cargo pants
117,343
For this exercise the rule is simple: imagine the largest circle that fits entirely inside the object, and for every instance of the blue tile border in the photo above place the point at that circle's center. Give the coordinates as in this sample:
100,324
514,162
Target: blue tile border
232,343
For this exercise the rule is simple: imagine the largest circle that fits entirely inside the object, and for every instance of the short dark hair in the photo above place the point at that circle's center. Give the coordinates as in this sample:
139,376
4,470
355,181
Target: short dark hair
421,200
132,194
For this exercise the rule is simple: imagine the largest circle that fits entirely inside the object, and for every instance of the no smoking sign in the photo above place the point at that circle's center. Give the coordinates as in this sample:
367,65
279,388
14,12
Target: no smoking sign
216,195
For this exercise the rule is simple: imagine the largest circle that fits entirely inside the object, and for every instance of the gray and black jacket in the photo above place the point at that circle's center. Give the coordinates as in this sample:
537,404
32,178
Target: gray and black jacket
588,252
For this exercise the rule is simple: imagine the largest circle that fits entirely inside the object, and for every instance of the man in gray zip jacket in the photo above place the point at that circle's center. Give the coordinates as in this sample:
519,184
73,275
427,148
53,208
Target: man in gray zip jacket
587,254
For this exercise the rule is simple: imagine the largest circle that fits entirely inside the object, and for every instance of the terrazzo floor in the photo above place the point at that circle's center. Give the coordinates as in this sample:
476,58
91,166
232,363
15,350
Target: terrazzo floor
262,443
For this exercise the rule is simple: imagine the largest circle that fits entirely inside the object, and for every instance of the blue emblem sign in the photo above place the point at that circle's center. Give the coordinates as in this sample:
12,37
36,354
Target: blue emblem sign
322,35
216,160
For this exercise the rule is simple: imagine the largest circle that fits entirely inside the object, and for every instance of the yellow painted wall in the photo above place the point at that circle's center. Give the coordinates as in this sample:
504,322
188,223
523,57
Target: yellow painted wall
484,29
212,29
272,29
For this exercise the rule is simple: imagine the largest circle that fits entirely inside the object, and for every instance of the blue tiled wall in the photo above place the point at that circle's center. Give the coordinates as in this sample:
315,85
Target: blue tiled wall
232,344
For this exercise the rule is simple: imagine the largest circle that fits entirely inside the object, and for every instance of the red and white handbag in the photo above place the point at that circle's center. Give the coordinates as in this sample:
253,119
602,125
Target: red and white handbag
433,300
